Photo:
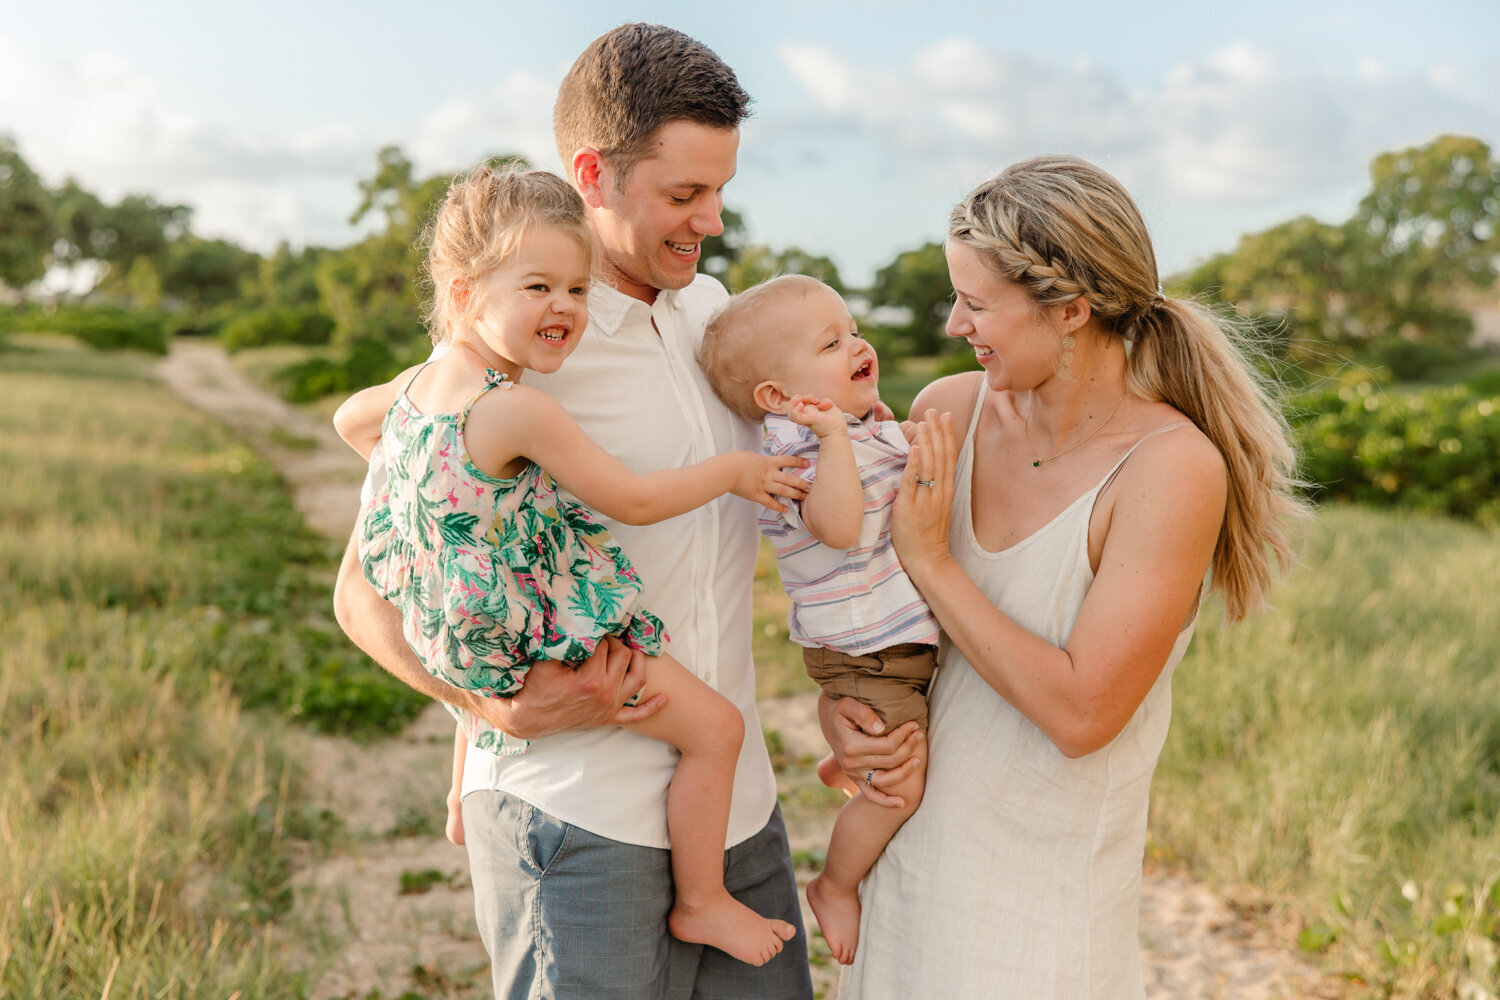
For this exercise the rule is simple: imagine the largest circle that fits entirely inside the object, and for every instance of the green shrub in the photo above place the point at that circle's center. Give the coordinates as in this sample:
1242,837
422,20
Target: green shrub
105,328
277,325
368,362
1435,450
1411,361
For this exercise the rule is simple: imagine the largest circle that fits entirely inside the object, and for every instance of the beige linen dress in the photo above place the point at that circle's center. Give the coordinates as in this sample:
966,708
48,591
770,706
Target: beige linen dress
1019,876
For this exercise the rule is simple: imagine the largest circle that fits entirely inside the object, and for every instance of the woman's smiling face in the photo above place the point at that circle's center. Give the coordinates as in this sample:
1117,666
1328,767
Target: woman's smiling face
1013,340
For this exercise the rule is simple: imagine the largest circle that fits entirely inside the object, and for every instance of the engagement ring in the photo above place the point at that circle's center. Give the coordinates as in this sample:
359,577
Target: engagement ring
868,776
929,483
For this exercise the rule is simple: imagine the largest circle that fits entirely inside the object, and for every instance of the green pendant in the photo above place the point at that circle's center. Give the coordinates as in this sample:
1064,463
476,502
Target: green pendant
1036,463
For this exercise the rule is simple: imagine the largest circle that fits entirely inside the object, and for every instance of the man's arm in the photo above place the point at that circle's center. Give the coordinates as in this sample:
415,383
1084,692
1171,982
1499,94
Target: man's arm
555,698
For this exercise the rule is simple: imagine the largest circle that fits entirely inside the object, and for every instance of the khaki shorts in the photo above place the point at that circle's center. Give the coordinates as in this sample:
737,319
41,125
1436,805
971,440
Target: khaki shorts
893,681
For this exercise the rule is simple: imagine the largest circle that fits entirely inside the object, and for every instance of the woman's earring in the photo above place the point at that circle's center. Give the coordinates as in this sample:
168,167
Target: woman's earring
1065,364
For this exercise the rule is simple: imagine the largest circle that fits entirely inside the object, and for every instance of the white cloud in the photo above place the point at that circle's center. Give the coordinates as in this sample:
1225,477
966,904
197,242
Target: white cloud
111,125
513,117
1240,125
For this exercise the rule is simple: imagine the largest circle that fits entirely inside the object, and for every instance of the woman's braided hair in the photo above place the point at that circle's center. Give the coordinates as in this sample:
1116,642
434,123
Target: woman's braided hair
1061,228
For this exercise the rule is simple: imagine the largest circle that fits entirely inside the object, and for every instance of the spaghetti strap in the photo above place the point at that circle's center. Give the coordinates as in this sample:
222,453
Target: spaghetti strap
492,380
1144,438
411,381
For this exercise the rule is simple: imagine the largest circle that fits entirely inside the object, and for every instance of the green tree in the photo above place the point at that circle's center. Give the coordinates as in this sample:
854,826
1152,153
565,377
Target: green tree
202,274
1430,224
916,282
1382,284
143,284
1292,278
288,277
721,252
28,226
757,263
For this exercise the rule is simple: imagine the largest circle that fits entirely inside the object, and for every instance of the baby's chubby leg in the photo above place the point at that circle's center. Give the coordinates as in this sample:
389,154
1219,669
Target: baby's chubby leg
708,730
860,834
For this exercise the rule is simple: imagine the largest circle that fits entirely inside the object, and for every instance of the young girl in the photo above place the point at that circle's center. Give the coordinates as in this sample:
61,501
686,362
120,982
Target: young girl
491,568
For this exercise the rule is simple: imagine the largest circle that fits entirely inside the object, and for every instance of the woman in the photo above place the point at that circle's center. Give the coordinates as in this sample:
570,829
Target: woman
1060,512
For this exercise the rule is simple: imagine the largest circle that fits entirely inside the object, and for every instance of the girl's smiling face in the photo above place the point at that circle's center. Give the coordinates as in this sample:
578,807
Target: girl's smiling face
534,307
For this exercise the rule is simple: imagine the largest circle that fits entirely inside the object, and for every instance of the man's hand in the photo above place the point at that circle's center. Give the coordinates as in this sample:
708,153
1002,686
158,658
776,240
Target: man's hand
863,751
558,699
555,698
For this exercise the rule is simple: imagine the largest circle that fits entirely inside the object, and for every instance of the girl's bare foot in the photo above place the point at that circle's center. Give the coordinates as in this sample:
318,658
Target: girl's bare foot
838,917
729,925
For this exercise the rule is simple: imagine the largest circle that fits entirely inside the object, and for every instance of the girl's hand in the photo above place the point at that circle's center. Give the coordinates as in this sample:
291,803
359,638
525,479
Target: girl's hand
924,505
762,479
818,414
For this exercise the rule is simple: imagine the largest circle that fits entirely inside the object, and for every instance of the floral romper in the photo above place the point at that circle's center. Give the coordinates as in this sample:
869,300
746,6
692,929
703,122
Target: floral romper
491,575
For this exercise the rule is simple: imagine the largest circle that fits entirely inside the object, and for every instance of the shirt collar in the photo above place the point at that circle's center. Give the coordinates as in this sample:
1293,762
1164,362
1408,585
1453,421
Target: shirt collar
609,307
866,424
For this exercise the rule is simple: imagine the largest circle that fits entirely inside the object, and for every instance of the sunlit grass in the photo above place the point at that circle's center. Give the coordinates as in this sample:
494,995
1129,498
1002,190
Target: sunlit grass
153,579
1341,754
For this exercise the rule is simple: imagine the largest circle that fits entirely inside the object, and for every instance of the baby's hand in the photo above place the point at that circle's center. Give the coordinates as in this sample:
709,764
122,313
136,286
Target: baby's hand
763,478
818,414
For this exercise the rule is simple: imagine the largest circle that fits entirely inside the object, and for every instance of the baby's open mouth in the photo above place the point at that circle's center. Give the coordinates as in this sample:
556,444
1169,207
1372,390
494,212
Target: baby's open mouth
863,371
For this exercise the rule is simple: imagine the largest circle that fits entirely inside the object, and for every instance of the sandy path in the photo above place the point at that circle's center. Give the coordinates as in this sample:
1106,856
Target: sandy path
1195,946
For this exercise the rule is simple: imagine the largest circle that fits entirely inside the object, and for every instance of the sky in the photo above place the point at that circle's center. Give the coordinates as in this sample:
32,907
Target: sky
871,119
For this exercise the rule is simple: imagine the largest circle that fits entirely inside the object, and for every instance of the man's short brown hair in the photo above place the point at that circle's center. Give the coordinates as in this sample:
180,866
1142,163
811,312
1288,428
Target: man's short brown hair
633,80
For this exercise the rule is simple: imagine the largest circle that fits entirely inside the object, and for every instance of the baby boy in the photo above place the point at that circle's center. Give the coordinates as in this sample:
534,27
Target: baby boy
787,353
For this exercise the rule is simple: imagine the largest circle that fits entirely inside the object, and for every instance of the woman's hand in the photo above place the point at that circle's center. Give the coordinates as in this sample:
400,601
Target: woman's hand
924,505
872,759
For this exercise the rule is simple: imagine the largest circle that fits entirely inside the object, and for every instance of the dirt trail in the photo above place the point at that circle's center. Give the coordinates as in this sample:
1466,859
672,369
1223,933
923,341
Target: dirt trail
1195,946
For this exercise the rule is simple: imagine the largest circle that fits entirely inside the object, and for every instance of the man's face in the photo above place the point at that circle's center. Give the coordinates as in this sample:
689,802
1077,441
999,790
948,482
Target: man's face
651,231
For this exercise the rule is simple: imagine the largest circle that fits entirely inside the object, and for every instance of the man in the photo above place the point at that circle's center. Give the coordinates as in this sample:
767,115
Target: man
567,843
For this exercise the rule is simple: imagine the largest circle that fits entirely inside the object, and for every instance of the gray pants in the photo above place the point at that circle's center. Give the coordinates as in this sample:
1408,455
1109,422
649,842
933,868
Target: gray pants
568,914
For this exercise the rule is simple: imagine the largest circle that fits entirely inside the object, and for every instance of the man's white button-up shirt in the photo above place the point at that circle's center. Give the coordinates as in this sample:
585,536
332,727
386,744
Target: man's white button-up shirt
634,386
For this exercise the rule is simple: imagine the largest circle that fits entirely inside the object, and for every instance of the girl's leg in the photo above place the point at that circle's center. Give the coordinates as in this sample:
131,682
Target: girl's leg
455,826
708,730
859,835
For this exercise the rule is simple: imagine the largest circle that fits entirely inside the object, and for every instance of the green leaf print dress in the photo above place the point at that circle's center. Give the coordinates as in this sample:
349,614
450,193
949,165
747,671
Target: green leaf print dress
491,575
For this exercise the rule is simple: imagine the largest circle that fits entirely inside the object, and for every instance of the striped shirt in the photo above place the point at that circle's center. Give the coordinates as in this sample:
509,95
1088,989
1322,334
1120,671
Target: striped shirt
858,600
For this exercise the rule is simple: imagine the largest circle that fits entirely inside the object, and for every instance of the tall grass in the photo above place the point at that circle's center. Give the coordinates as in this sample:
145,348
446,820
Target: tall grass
1341,754
154,577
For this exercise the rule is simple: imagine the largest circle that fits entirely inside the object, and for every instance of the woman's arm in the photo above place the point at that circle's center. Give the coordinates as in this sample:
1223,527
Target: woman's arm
527,422
1165,521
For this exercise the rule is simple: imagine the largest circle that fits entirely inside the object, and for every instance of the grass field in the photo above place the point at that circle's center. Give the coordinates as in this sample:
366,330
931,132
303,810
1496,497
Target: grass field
154,580
1334,765
1341,755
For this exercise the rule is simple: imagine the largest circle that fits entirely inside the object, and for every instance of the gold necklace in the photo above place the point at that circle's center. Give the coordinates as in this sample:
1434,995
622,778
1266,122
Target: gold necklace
1036,462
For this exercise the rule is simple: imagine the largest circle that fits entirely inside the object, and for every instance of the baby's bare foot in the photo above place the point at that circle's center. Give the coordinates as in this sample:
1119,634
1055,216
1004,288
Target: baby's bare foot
838,917
830,774
729,925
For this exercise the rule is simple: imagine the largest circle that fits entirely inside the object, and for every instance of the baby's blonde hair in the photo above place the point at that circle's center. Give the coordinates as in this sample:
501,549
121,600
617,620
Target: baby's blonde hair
734,353
480,225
